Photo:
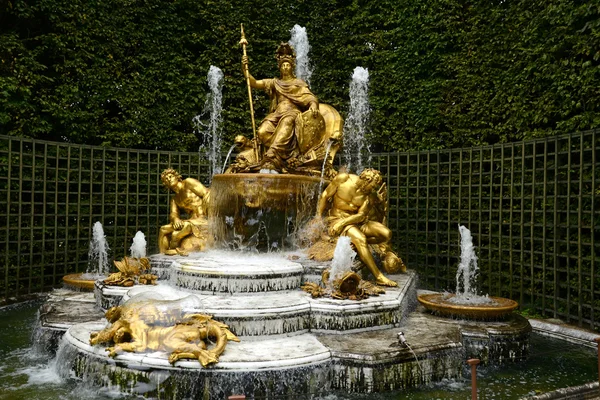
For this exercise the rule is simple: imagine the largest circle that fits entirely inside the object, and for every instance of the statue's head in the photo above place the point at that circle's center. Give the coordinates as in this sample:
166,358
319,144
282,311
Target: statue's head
170,177
371,179
285,54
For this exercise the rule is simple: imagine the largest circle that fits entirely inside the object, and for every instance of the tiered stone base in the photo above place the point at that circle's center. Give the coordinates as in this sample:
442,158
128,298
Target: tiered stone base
293,344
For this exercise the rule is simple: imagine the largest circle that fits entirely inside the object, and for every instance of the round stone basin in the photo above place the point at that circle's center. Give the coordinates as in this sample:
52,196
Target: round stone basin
440,304
261,211
79,281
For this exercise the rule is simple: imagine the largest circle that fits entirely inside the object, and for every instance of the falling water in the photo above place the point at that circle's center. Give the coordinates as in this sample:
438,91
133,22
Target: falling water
356,125
323,166
227,158
138,247
211,132
466,276
299,42
98,252
343,257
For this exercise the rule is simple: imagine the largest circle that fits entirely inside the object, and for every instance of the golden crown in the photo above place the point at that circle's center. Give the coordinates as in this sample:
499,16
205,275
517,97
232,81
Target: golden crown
285,52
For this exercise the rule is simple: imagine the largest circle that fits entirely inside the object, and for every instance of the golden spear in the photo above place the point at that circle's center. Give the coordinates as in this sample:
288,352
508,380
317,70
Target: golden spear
244,42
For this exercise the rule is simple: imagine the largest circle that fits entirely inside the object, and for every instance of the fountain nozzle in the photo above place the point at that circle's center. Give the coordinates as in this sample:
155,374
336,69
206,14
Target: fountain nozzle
402,339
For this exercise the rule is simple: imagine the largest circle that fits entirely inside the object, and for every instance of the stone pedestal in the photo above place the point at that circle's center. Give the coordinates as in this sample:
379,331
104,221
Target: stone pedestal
290,342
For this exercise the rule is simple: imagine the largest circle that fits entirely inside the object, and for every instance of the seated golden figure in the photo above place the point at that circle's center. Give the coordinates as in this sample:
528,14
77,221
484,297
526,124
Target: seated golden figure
182,236
298,131
356,204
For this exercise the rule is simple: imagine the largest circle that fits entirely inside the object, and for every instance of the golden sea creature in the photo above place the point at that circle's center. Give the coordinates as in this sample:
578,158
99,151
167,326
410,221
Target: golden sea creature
142,327
349,287
131,271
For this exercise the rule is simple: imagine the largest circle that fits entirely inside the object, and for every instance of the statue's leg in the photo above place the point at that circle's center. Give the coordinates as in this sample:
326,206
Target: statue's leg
376,232
283,143
182,350
180,234
163,238
359,240
265,133
381,235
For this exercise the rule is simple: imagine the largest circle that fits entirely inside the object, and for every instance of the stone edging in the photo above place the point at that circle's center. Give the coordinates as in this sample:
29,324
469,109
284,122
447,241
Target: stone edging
582,337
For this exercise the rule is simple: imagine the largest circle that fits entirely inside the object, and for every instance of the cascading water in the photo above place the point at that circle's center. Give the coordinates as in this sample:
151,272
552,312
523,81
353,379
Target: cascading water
323,166
357,122
466,275
211,132
227,158
343,257
138,247
97,254
299,42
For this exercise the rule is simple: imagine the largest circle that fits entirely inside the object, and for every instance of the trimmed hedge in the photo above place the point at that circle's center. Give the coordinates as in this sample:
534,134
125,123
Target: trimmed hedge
444,73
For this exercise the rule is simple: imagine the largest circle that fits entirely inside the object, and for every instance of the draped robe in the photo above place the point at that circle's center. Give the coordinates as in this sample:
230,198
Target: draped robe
288,100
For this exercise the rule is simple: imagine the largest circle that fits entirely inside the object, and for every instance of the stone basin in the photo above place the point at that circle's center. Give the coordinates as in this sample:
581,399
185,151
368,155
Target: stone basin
439,303
261,211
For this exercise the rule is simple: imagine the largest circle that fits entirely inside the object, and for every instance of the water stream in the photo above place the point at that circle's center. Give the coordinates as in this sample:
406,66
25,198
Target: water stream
343,257
466,275
211,132
97,254
356,126
227,158
299,42
323,166
138,247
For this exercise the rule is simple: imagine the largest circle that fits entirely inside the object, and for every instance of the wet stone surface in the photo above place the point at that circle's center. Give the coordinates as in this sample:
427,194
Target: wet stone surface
323,343
63,309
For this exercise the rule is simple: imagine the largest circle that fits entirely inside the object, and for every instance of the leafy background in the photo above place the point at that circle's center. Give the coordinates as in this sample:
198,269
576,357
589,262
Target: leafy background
444,73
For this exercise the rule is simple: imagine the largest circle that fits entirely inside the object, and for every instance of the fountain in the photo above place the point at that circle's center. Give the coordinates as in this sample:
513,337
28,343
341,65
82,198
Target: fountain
211,134
299,41
466,303
341,335
357,122
138,247
97,262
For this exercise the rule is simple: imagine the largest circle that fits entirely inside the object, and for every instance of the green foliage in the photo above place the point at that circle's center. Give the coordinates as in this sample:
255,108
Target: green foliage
444,73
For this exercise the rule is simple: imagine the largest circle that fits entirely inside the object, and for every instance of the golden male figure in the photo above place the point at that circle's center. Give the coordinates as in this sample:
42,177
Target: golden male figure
181,236
290,97
352,199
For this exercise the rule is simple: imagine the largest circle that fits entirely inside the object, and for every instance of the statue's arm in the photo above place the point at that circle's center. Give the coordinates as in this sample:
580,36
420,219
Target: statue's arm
256,84
329,192
314,107
358,218
197,187
174,210
361,215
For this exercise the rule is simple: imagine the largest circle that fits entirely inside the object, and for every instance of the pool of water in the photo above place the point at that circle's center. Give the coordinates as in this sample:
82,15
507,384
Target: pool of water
29,373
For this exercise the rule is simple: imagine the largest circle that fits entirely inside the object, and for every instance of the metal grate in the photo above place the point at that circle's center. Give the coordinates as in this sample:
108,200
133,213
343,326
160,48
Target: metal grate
51,194
531,207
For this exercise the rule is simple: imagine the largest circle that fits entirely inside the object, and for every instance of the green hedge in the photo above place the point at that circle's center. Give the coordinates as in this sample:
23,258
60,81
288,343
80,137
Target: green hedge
444,73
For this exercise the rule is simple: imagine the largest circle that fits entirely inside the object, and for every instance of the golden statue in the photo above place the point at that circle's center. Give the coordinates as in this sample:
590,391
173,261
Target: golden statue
348,287
357,210
141,327
182,236
131,270
298,134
